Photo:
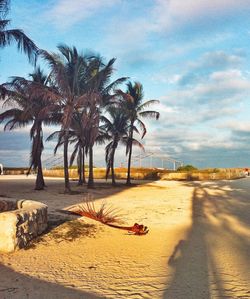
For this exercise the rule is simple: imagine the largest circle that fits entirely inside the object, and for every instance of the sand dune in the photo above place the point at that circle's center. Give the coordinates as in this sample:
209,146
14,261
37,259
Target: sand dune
197,247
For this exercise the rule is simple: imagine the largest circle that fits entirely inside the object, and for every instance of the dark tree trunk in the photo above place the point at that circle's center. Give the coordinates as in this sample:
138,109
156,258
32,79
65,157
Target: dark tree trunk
112,170
80,181
130,155
66,164
91,175
112,167
39,177
83,165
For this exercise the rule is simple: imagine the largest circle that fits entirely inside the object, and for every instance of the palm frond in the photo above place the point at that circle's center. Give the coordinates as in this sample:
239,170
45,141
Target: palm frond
73,155
24,43
142,127
147,104
150,114
104,214
137,143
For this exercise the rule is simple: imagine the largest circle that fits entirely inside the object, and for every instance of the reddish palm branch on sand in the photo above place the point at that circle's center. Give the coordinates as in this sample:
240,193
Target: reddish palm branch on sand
106,215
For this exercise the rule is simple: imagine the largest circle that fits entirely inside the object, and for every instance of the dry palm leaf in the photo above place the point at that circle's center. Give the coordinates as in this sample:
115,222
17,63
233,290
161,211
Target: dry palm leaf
107,215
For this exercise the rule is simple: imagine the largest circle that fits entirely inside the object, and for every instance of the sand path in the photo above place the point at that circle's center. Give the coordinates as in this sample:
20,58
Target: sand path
198,245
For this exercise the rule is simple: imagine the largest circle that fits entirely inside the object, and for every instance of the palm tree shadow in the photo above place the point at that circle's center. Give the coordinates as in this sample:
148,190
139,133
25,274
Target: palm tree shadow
190,257
196,274
25,287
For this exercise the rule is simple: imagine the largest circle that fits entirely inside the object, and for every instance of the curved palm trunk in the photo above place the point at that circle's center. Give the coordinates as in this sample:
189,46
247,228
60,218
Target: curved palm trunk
112,164
130,155
91,174
66,163
80,165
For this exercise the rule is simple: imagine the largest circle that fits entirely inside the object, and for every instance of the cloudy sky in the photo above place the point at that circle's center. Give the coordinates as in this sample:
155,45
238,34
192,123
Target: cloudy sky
192,55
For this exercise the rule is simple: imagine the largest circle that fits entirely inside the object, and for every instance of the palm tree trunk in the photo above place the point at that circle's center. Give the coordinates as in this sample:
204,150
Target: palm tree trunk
91,175
112,170
66,164
130,155
112,165
83,166
80,181
39,178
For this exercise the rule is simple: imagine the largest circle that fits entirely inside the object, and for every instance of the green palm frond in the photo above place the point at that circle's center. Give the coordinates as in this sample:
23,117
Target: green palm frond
150,114
24,44
147,104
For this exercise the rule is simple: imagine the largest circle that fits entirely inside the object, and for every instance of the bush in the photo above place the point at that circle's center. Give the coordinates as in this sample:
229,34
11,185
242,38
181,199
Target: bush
187,168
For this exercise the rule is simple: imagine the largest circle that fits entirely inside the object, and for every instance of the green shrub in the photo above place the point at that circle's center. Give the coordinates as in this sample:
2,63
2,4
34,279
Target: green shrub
187,168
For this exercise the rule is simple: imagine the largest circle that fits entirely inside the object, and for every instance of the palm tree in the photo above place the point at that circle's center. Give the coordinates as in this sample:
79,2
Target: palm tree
8,36
81,84
116,127
26,111
79,151
99,84
76,137
69,73
134,107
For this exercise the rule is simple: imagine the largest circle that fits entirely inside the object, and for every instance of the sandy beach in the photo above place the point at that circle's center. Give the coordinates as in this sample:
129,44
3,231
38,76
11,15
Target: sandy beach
198,245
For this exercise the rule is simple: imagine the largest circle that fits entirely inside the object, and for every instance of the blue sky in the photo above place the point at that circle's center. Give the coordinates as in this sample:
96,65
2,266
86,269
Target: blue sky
191,55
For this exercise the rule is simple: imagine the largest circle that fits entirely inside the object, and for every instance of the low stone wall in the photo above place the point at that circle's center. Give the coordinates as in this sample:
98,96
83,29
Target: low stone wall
20,222
226,174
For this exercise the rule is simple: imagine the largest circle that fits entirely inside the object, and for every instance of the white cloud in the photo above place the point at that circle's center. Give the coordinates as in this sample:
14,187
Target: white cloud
236,125
66,13
175,13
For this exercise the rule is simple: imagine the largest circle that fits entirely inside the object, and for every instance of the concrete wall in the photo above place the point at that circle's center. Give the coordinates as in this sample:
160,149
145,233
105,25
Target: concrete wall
155,174
223,174
24,220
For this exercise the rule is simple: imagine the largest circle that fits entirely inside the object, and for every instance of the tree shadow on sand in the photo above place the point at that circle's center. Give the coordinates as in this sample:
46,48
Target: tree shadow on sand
196,273
68,231
14,285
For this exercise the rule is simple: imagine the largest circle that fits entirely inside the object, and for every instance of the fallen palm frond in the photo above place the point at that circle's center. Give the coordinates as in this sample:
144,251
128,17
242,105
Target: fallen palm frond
106,215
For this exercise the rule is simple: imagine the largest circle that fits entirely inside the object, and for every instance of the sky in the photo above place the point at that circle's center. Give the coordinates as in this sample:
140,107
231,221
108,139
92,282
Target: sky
193,56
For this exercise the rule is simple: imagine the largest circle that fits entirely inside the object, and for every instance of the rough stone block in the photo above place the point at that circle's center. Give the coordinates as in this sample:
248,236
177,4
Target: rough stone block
25,220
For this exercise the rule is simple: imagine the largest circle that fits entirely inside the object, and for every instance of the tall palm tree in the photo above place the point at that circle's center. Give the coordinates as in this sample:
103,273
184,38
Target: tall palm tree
8,36
69,73
99,84
26,111
134,107
116,127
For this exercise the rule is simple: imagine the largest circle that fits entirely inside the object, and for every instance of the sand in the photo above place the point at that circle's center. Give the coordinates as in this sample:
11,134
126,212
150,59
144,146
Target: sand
198,245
